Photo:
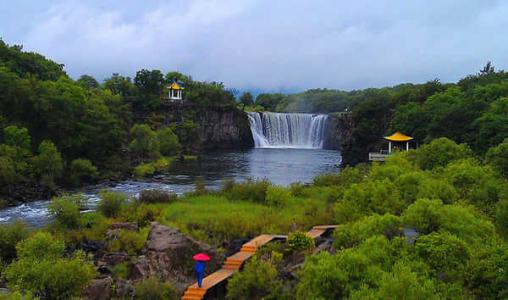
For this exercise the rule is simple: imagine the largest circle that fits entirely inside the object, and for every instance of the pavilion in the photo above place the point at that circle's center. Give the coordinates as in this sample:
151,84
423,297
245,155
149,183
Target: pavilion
397,141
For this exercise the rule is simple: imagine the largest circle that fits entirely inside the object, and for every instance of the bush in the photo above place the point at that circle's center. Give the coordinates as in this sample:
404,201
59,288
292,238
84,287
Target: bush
441,152
168,141
10,235
42,270
82,170
111,203
48,165
144,170
497,157
444,253
157,196
66,209
200,187
128,241
277,196
297,189
353,234
145,143
299,241
502,216
258,281
153,289
250,190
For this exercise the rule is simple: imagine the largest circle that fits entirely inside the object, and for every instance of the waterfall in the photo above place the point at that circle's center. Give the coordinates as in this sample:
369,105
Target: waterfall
287,130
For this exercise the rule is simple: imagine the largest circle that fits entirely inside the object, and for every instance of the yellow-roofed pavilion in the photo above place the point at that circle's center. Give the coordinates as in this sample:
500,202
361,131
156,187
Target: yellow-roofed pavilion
398,137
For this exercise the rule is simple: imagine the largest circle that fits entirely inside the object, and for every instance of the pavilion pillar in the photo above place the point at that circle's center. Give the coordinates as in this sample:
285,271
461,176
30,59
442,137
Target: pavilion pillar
389,147
407,146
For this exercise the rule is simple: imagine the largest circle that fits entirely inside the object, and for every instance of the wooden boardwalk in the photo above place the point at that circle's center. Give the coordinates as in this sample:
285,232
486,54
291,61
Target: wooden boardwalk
235,261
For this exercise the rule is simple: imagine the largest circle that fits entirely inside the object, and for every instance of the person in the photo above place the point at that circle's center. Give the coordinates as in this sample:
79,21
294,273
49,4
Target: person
199,267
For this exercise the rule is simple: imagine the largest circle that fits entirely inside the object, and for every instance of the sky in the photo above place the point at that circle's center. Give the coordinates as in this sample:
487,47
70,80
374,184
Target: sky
270,45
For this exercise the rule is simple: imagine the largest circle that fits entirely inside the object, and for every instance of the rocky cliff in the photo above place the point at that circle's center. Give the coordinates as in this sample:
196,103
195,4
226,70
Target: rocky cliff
217,127
339,136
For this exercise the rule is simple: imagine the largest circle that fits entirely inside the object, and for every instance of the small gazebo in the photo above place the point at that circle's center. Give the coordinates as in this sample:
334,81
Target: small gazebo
398,138
394,141
175,91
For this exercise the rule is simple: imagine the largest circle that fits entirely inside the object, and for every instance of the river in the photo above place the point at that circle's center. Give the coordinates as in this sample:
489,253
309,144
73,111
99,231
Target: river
279,165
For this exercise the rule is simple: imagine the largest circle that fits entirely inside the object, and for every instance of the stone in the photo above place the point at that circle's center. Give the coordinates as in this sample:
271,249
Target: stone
99,289
124,289
168,255
124,225
113,258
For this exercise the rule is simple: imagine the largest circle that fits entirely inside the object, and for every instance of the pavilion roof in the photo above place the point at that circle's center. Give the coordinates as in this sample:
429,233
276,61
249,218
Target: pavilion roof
398,137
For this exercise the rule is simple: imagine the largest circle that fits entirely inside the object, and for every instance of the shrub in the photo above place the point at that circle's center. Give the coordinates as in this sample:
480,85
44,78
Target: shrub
143,170
42,270
297,189
353,234
227,185
277,195
10,235
66,209
199,187
300,241
153,289
3,203
441,152
497,157
144,141
128,241
443,252
258,281
82,170
502,216
111,203
48,165
157,196
344,178
250,190
168,141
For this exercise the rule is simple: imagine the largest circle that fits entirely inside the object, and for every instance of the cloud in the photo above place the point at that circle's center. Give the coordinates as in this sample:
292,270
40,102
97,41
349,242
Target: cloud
272,45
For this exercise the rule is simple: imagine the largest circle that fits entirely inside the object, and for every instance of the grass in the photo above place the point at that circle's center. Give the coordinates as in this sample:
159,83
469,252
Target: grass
214,218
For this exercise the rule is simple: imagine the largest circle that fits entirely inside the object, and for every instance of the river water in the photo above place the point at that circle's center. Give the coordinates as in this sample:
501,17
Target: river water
281,166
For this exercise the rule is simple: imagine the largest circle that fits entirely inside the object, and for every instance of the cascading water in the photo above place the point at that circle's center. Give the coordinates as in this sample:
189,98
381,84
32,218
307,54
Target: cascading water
287,130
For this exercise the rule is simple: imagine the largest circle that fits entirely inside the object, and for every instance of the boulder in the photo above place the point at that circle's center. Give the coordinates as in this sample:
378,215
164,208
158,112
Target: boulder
99,289
168,255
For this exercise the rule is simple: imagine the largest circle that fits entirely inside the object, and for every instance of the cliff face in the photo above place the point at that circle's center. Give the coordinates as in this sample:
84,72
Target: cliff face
339,136
223,127
217,127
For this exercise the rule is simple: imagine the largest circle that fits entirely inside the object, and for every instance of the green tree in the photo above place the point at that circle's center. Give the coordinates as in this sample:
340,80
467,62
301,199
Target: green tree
258,281
10,235
169,144
66,210
48,164
119,85
88,82
82,170
440,152
111,203
246,99
144,142
497,157
42,269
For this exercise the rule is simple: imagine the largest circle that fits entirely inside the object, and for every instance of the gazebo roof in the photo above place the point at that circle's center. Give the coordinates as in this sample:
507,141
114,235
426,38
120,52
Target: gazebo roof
398,137
175,86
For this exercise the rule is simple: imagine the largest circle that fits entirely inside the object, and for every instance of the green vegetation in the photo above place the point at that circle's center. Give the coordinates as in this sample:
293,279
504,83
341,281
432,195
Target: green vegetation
154,289
58,132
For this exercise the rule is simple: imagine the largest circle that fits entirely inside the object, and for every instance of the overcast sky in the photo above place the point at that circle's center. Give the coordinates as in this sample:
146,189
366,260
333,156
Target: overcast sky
266,44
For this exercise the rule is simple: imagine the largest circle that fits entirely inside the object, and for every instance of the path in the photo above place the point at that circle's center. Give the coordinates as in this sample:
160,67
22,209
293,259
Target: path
235,261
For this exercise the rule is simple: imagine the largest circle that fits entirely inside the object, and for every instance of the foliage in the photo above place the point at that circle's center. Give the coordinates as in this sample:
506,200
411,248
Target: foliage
144,142
497,157
257,281
10,235
441,152
82,170
157,196
246,99
48,164
300,241
128,241
168,142
42,270
277,195
153,289
250,190
111,203
66,210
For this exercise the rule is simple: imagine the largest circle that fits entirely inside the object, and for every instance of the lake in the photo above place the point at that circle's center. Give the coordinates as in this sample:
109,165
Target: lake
279,165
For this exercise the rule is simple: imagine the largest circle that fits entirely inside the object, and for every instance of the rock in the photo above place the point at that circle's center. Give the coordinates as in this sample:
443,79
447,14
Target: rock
124,289
113,258
168,255
124,225
99,289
